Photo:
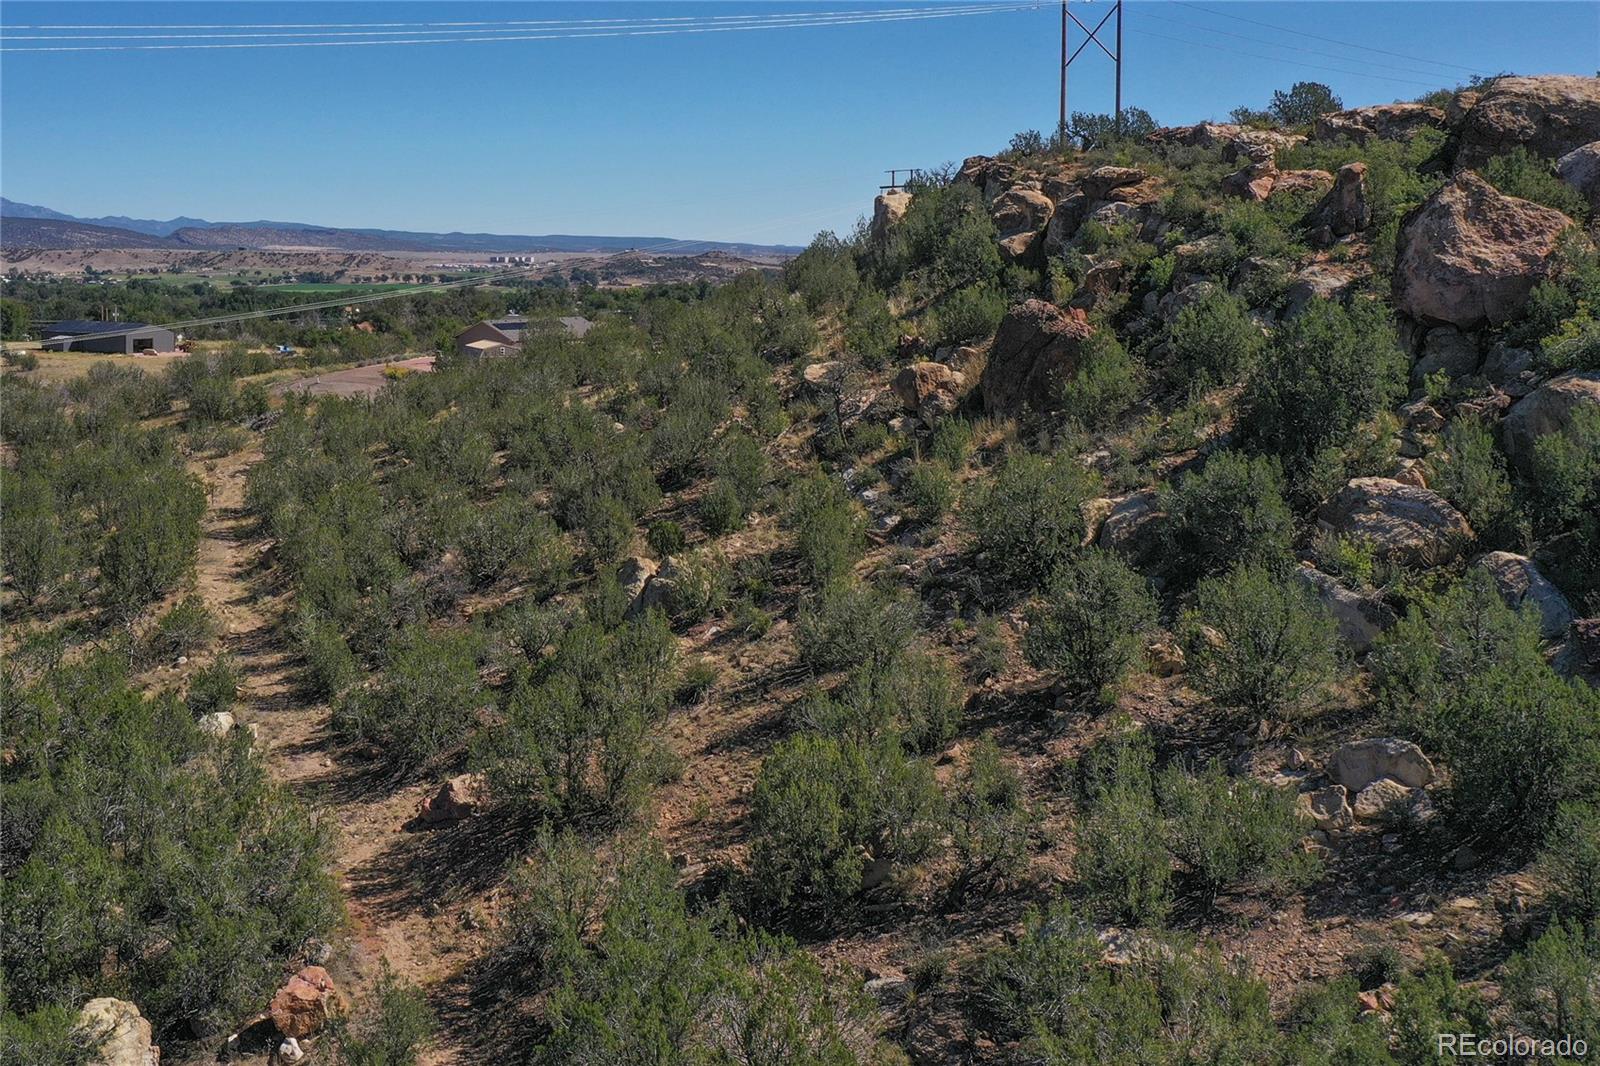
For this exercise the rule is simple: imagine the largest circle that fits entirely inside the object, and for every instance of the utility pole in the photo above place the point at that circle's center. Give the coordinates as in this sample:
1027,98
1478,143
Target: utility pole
1067,19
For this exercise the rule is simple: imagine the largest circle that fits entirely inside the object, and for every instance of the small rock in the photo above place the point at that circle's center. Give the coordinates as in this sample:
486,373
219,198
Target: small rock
1359,763
216,724
1378,799
289,1050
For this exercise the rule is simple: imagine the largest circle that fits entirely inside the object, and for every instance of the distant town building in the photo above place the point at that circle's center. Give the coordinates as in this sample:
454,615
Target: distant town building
503,336
121,338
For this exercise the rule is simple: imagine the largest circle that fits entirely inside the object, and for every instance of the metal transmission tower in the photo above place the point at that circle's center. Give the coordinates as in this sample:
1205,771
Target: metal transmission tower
1067,19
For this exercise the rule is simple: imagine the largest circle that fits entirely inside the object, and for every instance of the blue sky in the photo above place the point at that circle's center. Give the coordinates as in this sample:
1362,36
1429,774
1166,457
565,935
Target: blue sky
764,136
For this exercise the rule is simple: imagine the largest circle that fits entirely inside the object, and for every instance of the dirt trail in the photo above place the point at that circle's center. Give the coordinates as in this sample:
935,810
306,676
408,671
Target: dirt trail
390,877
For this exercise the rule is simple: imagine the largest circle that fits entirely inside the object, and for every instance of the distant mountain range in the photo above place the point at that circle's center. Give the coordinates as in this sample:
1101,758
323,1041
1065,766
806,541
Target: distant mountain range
32,226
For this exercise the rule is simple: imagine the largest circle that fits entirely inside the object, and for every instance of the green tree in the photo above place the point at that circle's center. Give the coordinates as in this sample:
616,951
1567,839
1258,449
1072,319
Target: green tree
1230,512
1091,627
1028,519
1212,341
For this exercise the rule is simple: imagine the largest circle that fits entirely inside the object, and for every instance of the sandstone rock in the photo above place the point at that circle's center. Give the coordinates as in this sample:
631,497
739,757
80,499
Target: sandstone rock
1099,182
1547,409
1319,281
634,574
1253,182
1420,416
1361,618
1094,516
1035,349
821,379
1448,349
916,384
1344,209
1488,407
1065,221
1403,523
290,1051
217,724
1201,135
887,210
1173,303
968,361
1549,115
658,591
1580,168
457,799
1580,656
1522,586
1311,182
1471,254
1359,763
1375,801
1133,526
1387,122
1165,657
1412,472
1021,216
122,1033
300,1007
1329,808
1509,369
1258,145
990,176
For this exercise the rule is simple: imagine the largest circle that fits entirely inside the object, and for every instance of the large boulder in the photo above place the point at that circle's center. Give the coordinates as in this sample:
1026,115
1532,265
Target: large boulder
1259,145
1361,762
1101,182
1361,618
1470,254
1522,586
1021,215
1384,122
1069,214
1548,115
634,574
1344,209
121,1034
1580,168
1447,349
1308,182
1133,525
990,176
1253,182
889,208
1036,348
929,389
302,1005
1402,523
1548,409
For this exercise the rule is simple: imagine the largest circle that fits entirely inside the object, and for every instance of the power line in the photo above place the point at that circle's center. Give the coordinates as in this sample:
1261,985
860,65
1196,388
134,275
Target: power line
385,29
485,22
1295,62
1328,40
1280,45
874,19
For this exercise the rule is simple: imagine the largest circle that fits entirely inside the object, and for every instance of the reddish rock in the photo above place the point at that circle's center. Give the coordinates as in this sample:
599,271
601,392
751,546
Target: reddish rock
1035,349
1344,208
1416,527
457,798
928,388
1385,122
1021,215
300,1007
1310,182
1470,254
1254,182
1549,116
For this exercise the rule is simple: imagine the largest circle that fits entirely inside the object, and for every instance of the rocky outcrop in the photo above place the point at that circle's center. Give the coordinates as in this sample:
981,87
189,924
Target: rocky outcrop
1522,586
1254,182
301,1006
1344,209
1362,762
1580,168
887,210
1259,145
1302,182
1402,523
120,1034
1549,116
635,573
1319,281
1361,618
1383,122
1470,254
1036,348
1133,526
457,799
1547,409
1328,808
930,390
1021,215
1447,349
823,379
988,175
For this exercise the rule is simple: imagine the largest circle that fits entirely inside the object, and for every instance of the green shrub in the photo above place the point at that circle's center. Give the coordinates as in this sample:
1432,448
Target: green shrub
1571,863
1090,629
511,535
969,314
1212,341
1554,987
699,587
990,823
1522,174
666,537
1028,518
913,695
1327,370
1107,383
577,739
1231,512
1227,831
330,668
824,274
826,809
424,701
392,1030
829,532
1259,641
214,688
988,653
186,628
154,522
930,490
38,551
1123,866
952,443
1468,470
871,333
849,624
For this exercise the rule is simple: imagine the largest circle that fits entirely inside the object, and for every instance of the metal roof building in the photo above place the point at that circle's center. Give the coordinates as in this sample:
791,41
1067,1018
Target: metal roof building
116,338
